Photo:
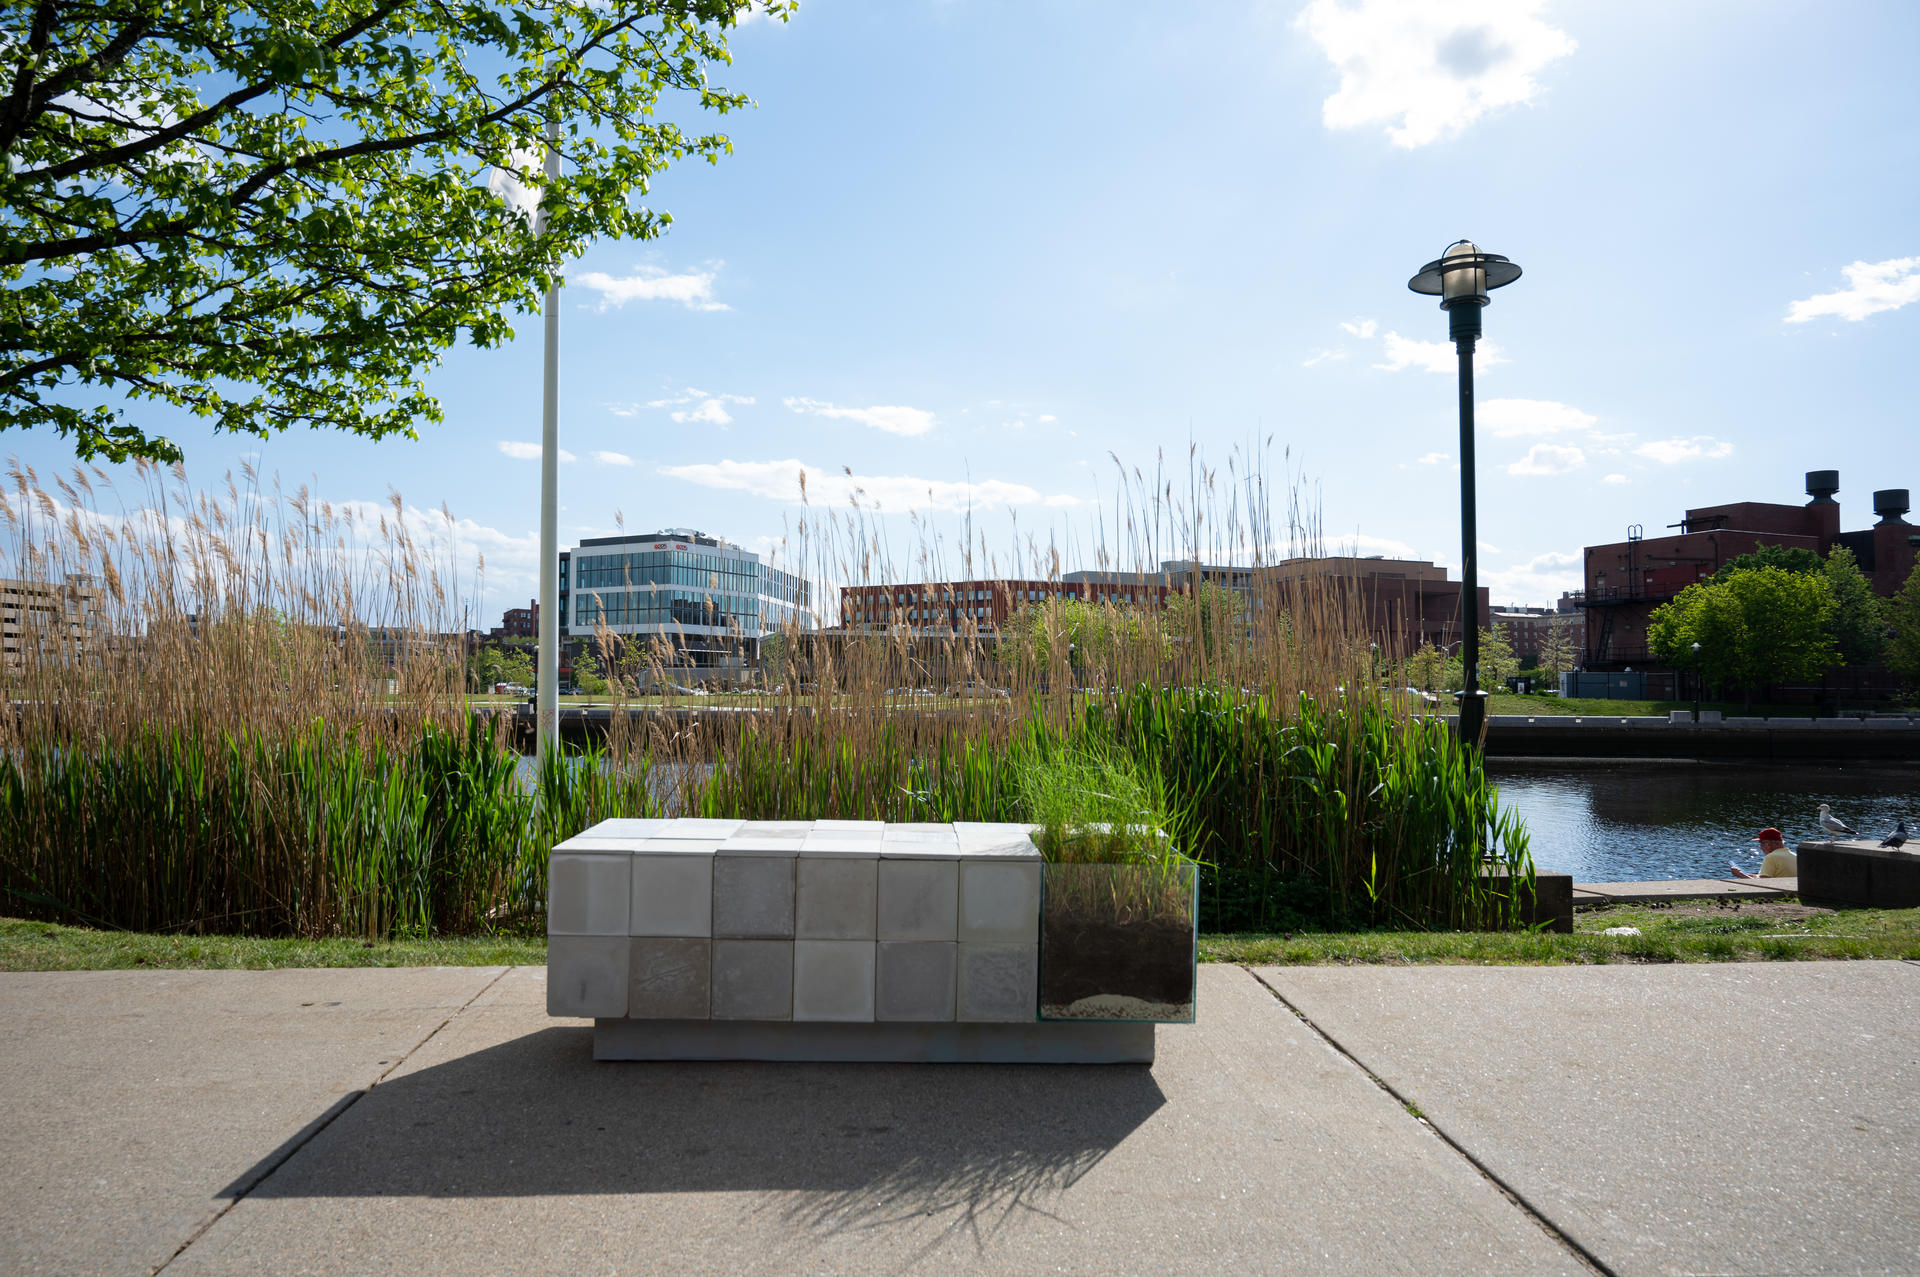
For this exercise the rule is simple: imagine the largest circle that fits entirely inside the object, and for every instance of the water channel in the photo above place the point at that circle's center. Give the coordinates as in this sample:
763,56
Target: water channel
1606,820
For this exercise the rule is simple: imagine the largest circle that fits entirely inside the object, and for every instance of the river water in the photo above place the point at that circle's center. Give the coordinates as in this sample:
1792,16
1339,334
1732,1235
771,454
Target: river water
1604,820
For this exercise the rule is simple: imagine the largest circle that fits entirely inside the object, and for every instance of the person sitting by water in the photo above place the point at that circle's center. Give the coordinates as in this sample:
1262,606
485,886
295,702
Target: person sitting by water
1780,863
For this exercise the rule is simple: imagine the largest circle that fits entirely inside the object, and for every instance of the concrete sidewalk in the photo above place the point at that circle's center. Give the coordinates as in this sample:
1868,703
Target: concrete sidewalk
437,1120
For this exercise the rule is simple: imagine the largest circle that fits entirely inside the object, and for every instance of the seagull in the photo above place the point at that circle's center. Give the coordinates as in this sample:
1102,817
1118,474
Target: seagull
1898,838
1832,823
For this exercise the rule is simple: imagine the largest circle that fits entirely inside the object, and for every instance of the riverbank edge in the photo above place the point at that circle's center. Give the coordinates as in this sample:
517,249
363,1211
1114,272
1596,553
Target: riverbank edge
1665,936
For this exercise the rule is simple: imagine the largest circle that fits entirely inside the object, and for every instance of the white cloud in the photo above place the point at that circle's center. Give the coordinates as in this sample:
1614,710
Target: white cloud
1512,418
892,418
1871,288
1549,458
707,409
1434,356
521,451
1613,478
693,290
1427,70
624,409
1699,448
1322,355
1436,458
1046,417
1361,328
1537,582
711,411
781,481
612,458
1013,425
1360,544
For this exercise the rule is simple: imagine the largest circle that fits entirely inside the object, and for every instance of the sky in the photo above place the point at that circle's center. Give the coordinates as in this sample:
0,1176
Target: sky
977,254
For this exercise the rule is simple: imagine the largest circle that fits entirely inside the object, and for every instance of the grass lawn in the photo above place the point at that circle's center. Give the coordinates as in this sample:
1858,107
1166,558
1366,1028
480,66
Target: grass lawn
1693,931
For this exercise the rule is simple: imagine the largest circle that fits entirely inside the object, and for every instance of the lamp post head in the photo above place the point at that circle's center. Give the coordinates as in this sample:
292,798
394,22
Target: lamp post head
1464,275
1696,649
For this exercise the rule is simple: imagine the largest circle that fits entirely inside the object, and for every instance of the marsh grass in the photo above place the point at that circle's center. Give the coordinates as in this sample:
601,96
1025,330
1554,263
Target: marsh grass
262,728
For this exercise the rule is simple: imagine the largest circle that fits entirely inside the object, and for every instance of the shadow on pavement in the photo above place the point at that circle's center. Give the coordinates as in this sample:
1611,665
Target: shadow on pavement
862,1144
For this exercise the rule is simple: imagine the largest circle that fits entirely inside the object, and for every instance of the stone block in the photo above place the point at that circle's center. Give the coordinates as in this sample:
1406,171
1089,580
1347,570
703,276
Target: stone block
587,895
833,980
874,828
999,901
669,979
832,844
774,829
1859,873
753,896
672,896
915,980
587,975
649,827
834,897
918,899
999,982
1551,902
753,979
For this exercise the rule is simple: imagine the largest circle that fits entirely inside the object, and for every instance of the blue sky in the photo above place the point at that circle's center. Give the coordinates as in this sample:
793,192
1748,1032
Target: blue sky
976,248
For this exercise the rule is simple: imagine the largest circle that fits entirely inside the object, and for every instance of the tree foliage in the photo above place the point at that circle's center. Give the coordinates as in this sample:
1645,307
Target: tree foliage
278,213
1761,625
1786,558
1903,625
1859,627
1557,655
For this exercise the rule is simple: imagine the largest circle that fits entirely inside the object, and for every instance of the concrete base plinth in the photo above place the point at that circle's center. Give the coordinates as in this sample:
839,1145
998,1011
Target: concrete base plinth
1551,902
927,1043
1859,873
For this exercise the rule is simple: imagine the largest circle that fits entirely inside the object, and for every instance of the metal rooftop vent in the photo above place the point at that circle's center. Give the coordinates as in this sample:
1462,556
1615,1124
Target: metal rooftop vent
1821,485
1890,504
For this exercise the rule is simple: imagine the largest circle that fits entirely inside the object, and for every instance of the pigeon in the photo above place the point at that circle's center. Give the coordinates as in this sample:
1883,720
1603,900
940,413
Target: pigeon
1832,823
1898,838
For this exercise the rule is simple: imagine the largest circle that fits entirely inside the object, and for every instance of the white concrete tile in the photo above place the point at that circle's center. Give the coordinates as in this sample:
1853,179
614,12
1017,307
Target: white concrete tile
605,846
753,897
587,975
999,901
914,980
700,827
774,829
834,897
753,979
999,983
873,827
761,845
840,845
587,895
833,980
918,899
672,896
629,827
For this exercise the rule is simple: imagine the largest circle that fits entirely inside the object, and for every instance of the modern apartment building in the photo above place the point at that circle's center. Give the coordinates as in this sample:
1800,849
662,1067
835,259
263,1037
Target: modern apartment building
708,602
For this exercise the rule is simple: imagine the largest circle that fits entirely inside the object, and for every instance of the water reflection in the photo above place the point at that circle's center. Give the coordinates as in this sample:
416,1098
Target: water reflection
1609,821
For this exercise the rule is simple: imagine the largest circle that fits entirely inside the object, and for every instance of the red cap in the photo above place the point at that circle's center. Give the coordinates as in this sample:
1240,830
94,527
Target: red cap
1769,834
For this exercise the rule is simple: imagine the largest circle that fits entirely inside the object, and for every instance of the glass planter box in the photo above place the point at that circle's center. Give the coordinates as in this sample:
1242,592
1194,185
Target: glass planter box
1118,941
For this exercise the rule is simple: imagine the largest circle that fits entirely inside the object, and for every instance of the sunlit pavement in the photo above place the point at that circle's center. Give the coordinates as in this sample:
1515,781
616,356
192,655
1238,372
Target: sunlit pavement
1640,1119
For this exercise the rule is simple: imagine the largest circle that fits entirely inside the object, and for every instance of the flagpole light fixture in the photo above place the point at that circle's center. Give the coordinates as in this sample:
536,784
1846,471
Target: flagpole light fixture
1461,279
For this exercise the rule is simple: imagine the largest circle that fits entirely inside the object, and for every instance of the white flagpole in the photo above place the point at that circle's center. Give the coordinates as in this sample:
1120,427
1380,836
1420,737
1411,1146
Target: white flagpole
547,680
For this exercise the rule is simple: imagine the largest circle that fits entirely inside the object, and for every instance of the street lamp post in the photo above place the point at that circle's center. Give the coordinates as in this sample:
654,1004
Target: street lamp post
1461,279
1696,682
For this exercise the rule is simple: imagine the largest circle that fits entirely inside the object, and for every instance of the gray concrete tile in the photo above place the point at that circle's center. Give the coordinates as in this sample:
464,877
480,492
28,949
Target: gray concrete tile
1745,1117
915,980
753,979
753,896
588,895
672,896
669,979
999,982
919,899
835,898
700,827
833,980
1679,889
999,901
587,975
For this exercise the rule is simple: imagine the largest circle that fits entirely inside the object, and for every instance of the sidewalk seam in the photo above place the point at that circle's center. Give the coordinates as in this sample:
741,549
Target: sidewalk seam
326,1119
1580,1254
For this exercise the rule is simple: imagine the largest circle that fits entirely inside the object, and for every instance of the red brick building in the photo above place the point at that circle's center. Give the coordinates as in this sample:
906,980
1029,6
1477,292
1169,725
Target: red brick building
1409,601
1627,580
520,622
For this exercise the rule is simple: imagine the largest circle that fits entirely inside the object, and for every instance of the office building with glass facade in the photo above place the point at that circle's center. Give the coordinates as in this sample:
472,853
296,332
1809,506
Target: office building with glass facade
709,602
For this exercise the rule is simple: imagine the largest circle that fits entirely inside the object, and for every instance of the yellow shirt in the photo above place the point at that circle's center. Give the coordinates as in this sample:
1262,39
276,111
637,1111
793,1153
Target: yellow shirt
1780,864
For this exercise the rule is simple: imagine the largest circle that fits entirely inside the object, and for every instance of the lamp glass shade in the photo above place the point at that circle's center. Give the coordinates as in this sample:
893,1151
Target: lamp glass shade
1457,283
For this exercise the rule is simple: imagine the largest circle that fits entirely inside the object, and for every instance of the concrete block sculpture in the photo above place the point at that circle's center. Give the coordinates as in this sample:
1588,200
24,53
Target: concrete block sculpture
828,939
